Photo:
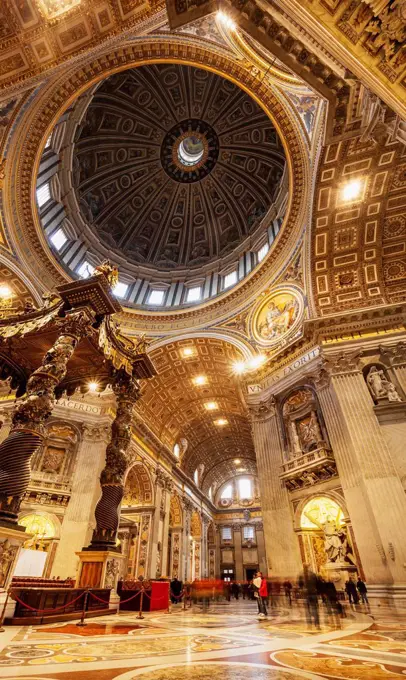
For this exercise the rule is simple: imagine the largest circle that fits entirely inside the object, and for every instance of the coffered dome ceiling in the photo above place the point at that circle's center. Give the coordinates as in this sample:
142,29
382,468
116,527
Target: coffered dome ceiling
140,196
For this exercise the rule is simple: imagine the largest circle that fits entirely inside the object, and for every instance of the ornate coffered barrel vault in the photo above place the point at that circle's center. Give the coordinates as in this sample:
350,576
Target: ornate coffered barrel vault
127,391
30,415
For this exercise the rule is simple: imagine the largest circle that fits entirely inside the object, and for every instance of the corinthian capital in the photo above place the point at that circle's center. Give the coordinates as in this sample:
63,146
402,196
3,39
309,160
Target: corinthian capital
343,364
321,378
395,355
77,324
160,477
263,410
96,432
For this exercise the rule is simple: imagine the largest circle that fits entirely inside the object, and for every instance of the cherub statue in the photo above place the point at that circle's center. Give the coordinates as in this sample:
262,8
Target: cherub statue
108,270
142,344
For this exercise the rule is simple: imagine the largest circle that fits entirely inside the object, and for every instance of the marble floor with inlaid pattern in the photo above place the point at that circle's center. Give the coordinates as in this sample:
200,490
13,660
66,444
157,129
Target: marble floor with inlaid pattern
226,642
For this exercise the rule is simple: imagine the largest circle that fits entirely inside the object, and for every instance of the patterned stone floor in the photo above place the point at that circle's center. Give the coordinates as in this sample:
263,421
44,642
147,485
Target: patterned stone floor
225,643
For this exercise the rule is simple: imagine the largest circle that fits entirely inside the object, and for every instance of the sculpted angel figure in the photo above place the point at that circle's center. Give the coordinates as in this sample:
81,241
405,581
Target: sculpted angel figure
335,538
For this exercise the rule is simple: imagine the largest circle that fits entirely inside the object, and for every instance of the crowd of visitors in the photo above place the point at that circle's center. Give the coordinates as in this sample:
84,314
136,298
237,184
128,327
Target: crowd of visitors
310,590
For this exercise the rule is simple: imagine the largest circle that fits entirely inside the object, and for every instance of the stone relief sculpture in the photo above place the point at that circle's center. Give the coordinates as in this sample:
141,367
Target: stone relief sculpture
303,428
380,387
7,555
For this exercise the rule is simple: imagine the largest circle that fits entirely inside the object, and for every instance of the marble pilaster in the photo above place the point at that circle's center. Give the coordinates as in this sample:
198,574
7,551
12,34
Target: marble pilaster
156,543
373,492
282,547
239,571
165,535
79,518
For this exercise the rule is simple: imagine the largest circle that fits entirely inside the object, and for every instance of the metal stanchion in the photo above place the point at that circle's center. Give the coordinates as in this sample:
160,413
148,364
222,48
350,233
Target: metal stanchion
3,612
82,618
140,616
169,602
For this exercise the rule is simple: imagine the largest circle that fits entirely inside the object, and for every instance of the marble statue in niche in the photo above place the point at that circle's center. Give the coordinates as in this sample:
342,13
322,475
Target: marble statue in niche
325,514
380,387
302,422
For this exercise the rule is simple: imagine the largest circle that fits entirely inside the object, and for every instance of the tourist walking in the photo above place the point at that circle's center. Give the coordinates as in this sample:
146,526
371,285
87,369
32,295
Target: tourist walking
351,590
362,589
309,584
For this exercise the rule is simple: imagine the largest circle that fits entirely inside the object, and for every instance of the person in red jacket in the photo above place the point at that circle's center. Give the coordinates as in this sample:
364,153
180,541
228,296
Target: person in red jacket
261,593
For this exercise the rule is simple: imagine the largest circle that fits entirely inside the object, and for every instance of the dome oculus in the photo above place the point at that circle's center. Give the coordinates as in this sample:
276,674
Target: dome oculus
190,151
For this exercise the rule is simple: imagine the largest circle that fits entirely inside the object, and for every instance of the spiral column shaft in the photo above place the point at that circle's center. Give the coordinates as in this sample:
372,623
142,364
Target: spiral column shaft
30,414
112,478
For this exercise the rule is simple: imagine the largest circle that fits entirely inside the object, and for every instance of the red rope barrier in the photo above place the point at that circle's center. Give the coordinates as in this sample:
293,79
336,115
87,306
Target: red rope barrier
44,611
177,597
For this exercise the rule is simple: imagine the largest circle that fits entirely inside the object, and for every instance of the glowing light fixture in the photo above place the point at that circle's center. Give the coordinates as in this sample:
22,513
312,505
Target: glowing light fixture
200,380
241,469
211,406
352,190
5,292
220,422
237,461
93,387
188,351
256,361
226,21
239,367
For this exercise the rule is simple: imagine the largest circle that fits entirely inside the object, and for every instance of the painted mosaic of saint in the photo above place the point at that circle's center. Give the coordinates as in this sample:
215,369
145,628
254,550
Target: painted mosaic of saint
279,317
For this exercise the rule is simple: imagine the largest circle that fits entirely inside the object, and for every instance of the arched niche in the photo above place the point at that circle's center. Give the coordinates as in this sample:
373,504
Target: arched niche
304,429
138,489
43,531
56,458
325,536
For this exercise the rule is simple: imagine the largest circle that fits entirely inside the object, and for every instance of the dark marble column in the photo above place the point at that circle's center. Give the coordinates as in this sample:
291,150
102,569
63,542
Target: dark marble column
30,414
107,513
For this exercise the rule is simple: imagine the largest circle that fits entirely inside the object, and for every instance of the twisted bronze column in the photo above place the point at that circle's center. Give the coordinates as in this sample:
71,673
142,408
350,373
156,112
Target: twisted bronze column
107,513
30,414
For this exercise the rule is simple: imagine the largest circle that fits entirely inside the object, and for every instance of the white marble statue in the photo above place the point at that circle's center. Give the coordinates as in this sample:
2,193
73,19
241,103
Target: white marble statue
380,387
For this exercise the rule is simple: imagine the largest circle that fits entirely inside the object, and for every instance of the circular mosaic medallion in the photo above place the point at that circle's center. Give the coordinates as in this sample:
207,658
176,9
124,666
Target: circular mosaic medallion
189,151
276,316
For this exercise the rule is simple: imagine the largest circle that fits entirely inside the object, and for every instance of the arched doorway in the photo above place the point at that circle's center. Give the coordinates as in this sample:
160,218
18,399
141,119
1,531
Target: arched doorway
38,551
136,522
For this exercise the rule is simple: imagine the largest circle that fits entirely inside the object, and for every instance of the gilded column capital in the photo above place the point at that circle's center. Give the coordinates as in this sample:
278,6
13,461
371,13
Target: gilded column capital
187,504
160,477
263,410
96,433
345,363
77,324
394,355
169,484
321,379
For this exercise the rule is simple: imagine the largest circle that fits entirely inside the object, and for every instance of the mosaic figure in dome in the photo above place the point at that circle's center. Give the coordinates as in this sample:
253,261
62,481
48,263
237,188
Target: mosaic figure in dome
280,316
